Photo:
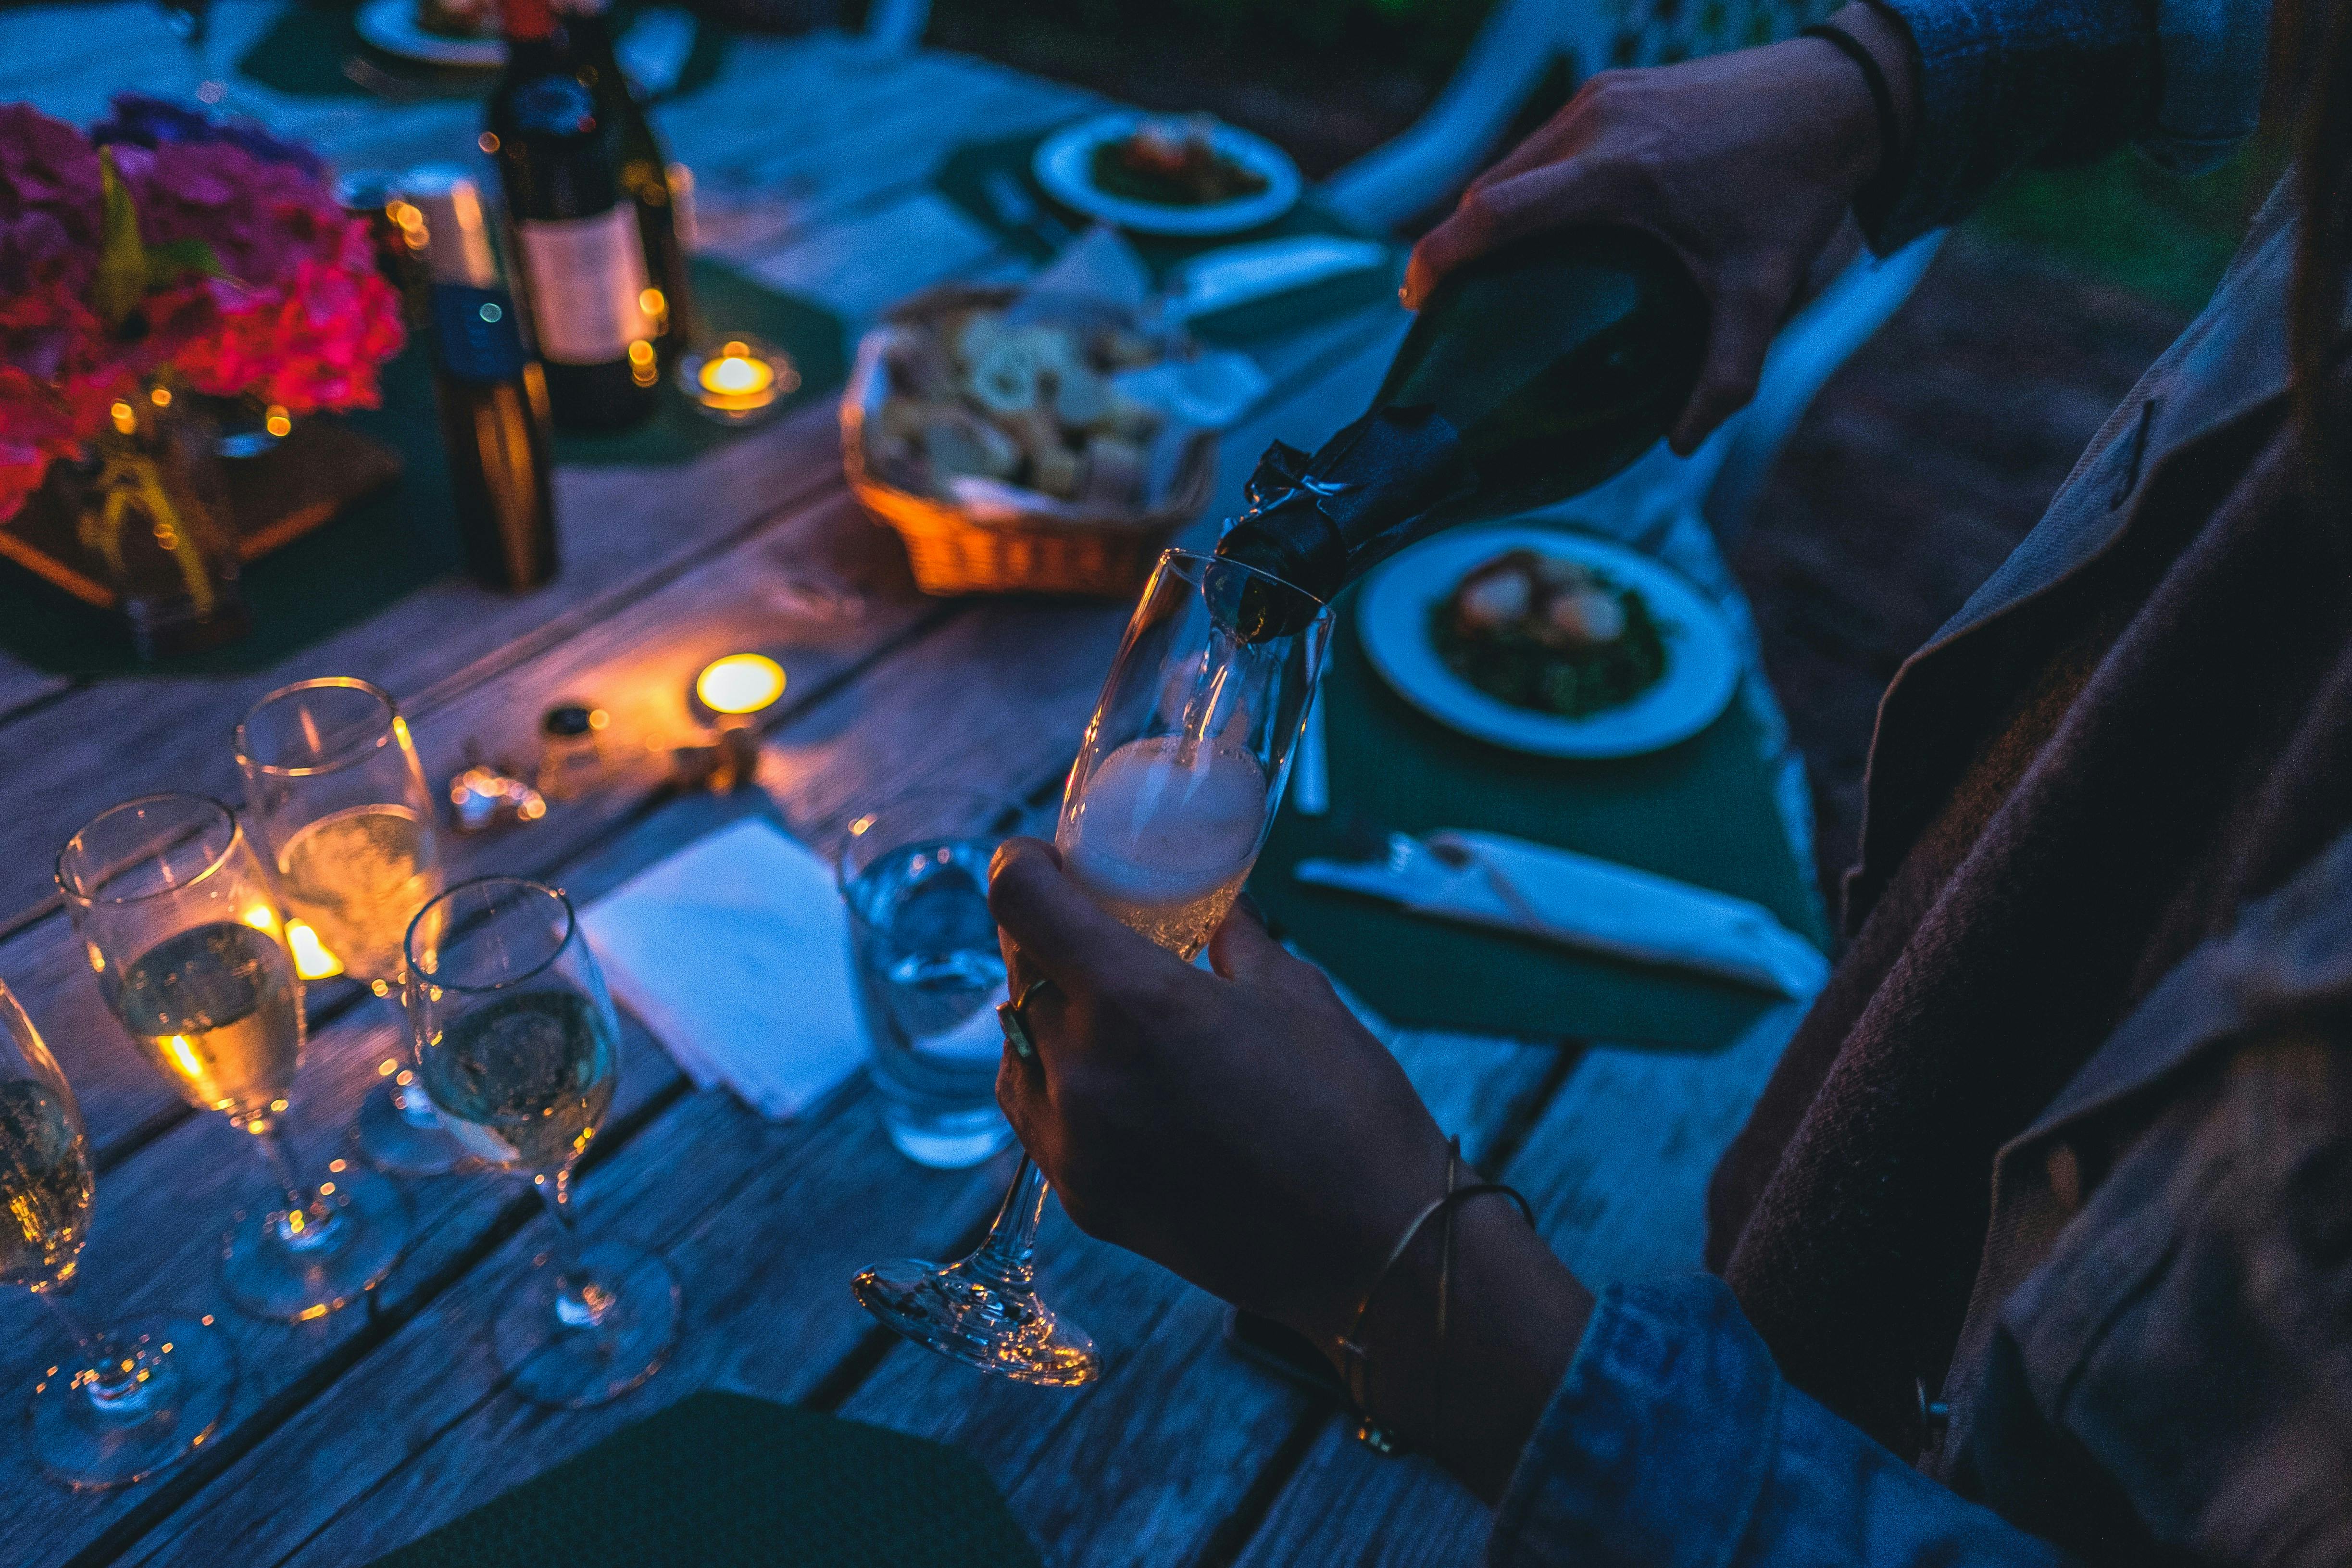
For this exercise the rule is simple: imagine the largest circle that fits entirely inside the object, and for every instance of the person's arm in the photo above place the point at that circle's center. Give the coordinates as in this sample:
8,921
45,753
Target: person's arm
1242,1128
1747,163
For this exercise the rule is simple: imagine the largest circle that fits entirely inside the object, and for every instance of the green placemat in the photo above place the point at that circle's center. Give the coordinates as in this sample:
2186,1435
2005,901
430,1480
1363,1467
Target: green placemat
966,176
306,50
718,1480
383,548
1702,811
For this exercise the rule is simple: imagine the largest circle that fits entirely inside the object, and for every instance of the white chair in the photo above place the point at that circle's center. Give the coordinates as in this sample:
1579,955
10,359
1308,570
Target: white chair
1511,56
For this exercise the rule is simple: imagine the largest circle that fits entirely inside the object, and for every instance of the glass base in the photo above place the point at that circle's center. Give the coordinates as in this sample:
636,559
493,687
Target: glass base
87,1436
272,1271
579,1347
955,1142
999,1327
401,1140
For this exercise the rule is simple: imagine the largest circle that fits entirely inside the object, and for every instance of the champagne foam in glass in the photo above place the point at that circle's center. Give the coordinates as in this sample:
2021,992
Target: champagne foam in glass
1162,845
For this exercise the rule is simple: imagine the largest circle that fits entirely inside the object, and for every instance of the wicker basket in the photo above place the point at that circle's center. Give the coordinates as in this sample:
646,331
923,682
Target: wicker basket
953,551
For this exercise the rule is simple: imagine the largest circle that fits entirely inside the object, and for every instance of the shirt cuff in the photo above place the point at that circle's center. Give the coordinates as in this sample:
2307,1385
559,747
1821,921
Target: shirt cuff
1658,1444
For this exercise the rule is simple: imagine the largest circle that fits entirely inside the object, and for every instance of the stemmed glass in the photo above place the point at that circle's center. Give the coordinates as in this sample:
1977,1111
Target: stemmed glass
337,798
1174,789
518,1045
133,1396
183,926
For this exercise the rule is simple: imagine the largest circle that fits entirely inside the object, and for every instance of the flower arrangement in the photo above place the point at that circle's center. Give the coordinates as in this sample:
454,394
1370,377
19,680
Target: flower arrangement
165,247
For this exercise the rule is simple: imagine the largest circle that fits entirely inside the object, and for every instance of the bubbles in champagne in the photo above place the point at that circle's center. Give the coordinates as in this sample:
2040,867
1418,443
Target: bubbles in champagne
1163,840
359,877
45,1185
219,1009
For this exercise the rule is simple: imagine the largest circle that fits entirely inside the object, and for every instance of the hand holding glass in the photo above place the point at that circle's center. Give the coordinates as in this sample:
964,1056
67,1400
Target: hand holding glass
1164,813
518,1045
182,925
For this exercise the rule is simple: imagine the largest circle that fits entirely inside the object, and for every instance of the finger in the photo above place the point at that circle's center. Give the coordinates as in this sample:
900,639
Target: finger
1061,934
1492,216
1739,334
1242,949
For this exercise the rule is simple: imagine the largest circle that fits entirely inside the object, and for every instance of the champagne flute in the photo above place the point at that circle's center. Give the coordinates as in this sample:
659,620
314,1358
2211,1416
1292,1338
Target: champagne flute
182,927
1174,789
518,1045
338,800
134,1396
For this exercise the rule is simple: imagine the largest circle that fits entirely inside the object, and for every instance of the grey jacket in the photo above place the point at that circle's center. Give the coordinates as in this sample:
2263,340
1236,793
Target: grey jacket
2203,1264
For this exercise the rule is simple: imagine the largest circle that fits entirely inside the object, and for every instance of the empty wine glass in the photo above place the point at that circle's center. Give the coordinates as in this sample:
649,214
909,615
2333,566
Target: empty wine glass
183,926
518,1045
1174,789
133,1396
337,798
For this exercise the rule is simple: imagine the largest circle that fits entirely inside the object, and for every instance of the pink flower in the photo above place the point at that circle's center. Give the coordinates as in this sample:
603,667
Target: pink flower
49,202
313,342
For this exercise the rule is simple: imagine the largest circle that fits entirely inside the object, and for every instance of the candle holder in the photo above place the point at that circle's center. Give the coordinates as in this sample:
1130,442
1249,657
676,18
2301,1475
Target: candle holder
728,697
737,379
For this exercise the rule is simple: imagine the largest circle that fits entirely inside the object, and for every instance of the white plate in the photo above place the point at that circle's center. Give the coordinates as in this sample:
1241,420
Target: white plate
1702,660
391,26
1065,167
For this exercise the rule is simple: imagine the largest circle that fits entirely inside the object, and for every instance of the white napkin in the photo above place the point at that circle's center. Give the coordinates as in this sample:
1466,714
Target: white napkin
1489,880
735,951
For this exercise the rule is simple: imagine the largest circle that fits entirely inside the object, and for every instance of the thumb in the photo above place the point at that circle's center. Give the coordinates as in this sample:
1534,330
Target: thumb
1243,949
1062,934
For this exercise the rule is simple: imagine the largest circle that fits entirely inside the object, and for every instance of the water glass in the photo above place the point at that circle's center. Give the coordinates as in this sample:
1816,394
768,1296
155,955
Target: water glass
914,876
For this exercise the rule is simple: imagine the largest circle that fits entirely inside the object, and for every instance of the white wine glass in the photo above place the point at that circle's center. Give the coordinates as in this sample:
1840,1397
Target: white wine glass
337,798
518,1044
182,925
1166,809
131,1397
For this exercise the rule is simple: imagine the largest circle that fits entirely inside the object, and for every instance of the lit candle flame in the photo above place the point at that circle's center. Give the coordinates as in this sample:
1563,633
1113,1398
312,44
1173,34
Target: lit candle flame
735,373
740,683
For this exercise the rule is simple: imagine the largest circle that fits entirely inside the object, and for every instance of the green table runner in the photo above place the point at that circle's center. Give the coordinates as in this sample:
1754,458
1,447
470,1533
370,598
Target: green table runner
381,548
965,178
720,1480
305,50
1702,811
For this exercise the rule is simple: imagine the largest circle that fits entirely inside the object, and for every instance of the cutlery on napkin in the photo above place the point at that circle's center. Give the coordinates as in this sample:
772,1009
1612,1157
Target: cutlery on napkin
1238,274
1509,884
735,951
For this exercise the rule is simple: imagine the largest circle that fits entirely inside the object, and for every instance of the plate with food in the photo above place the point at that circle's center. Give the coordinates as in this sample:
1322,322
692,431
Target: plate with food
438,32
1177,175
1553,643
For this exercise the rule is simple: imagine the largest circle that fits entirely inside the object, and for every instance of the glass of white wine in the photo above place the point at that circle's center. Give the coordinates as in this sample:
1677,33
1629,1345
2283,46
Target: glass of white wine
518,1044
337,798
183,926
133,1396
1166,809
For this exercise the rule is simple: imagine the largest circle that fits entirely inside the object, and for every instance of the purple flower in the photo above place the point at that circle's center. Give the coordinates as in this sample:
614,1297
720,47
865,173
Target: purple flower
49,202
142,121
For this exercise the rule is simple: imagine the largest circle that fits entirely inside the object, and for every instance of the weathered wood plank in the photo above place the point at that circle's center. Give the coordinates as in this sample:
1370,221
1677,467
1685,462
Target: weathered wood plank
1617,1170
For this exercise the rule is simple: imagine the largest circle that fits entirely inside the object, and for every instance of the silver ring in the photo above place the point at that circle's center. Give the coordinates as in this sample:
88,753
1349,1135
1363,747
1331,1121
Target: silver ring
1016,1028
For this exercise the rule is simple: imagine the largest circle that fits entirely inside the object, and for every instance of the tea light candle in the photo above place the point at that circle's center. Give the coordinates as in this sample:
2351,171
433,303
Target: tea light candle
738,687
739,380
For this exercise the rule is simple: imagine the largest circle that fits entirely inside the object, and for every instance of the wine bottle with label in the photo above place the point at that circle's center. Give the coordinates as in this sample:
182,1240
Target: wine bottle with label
491,390
580,258
644,172
1533,374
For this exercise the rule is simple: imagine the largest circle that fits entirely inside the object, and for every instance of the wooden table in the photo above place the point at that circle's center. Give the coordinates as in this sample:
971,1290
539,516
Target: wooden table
356,1433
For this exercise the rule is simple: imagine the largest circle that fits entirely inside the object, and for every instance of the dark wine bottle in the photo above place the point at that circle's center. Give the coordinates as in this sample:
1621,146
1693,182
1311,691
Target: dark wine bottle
491,391
580,262
644,172
1533,374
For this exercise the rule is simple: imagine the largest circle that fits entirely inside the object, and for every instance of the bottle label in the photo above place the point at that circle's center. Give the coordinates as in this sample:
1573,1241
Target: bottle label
586,276
475,330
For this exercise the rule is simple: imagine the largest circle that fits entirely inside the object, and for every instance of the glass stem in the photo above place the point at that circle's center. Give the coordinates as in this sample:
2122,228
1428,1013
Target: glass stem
307,1223
580,1300
112,1378
1006,1256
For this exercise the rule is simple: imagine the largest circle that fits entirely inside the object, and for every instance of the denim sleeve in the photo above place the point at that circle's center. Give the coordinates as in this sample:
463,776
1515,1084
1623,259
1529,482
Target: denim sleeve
1672,1441
2003,84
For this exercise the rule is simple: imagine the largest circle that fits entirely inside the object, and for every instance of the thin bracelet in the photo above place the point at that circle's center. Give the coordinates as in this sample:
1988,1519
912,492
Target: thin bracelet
1882,100
1370,1432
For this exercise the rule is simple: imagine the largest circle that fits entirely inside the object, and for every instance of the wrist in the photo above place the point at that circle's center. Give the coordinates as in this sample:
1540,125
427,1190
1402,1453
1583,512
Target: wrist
1886,41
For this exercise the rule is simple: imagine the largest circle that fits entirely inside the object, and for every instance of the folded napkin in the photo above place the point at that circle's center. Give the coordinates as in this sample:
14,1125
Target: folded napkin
1490,879
735,951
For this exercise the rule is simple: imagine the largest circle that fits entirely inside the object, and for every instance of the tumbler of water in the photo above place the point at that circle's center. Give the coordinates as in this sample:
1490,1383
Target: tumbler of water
914,876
